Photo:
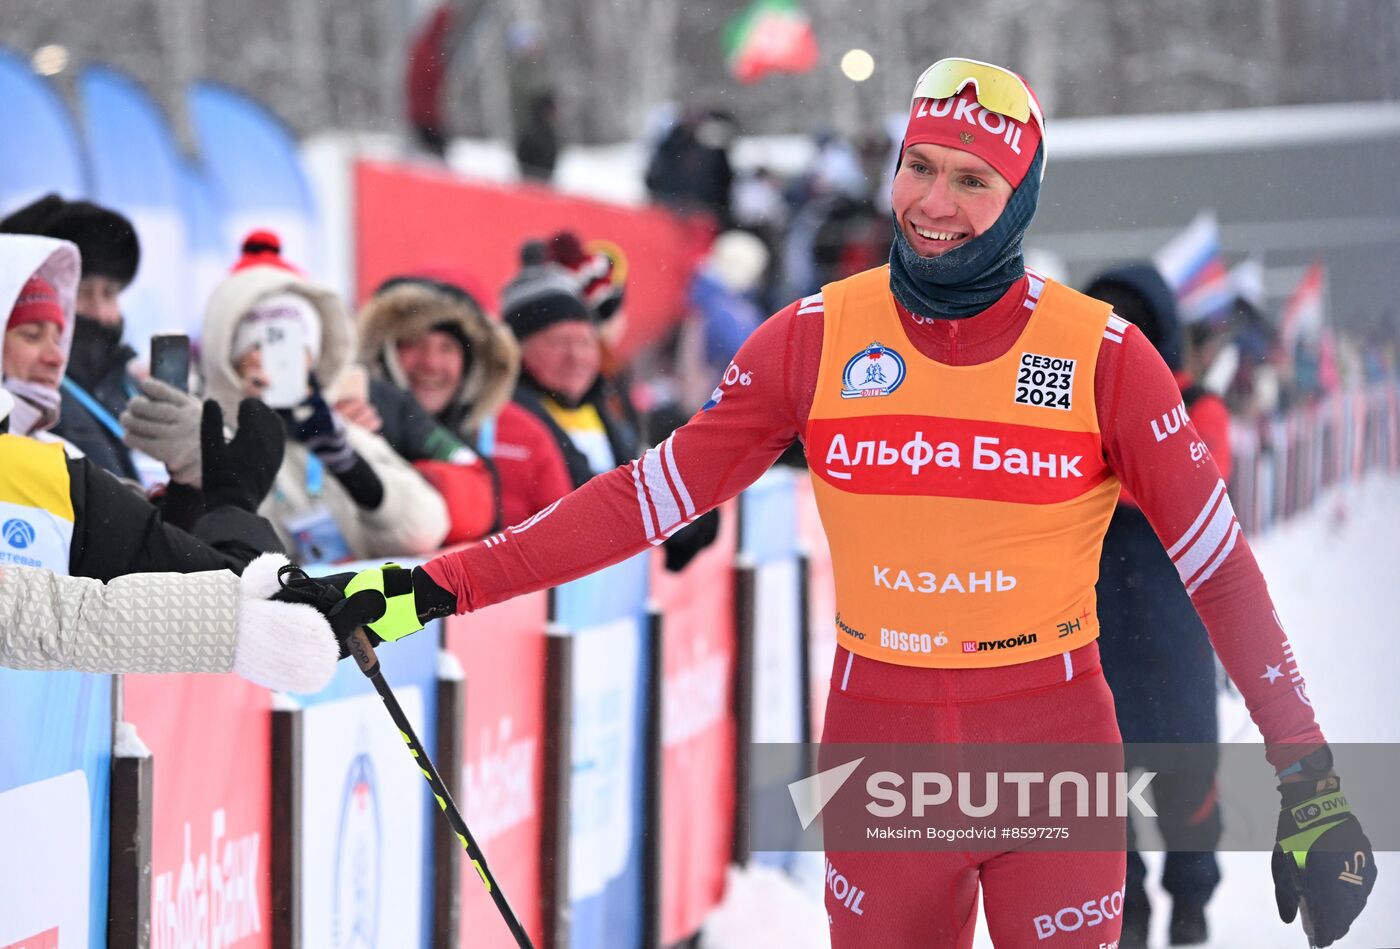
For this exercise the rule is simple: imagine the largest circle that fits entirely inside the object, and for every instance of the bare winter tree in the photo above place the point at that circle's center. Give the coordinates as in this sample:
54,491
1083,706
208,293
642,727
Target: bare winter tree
339,63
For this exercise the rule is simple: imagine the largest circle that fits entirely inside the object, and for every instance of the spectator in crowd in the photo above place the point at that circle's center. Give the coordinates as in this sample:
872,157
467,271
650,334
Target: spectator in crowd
429,59
537,137
690,168
97,386
599,270
1155,650
561,387
342,492
212,621
67,515
724,310
442,372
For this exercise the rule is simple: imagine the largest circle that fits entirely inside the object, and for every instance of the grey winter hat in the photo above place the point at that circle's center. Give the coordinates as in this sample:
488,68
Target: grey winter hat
541,295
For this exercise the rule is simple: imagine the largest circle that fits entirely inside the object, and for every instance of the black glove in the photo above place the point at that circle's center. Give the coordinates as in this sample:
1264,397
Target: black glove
682,546
315,424
240,472
1322,859
367,608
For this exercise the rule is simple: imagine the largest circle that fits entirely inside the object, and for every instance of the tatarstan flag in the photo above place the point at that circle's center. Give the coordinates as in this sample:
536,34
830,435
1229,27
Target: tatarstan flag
769,36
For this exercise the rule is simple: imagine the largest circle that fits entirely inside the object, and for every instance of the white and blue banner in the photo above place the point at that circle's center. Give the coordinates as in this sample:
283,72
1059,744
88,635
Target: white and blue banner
255,168
367,813
606,615
55,765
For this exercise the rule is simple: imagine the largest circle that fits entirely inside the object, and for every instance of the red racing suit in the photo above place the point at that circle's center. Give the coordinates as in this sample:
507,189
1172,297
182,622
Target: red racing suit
759,407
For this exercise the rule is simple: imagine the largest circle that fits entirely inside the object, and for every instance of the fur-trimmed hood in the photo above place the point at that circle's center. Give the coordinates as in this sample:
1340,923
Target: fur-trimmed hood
235,297
406,309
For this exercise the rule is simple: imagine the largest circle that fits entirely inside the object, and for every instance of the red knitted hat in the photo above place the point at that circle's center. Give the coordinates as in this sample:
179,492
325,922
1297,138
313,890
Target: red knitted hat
264,249
962,122
37,303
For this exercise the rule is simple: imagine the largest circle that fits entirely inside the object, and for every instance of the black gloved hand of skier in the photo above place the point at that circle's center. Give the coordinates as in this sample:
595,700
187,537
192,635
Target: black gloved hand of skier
397,606
327,596
241,471
1322,859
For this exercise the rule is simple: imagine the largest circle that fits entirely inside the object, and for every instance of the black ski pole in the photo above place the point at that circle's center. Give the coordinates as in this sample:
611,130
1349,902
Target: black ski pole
368,662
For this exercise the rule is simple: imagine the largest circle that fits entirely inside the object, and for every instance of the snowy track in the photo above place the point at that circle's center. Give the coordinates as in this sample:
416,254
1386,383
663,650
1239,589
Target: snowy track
1335,578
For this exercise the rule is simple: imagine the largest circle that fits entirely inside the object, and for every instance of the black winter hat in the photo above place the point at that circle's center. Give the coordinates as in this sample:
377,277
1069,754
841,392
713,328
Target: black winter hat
541,295
1140,295
106,240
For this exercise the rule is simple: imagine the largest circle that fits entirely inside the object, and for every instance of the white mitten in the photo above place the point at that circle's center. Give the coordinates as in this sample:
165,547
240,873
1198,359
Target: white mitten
286,646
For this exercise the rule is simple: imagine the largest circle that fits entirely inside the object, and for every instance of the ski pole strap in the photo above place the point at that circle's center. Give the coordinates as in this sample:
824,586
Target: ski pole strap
401,611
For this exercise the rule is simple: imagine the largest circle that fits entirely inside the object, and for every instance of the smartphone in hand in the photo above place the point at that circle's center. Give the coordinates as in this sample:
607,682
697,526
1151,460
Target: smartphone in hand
170,359
284,364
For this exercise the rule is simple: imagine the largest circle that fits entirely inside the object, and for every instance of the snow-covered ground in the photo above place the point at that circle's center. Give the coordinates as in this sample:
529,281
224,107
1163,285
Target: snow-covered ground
1334,578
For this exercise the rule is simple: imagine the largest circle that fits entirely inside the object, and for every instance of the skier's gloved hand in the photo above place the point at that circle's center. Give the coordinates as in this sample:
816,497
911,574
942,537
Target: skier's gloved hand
1322,858
389,601
240,472
411,597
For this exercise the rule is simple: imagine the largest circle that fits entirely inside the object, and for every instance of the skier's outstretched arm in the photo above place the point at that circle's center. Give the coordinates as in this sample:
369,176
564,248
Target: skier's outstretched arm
748,423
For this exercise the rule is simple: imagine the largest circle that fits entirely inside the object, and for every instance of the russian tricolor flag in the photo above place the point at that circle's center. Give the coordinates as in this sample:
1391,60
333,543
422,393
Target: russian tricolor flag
1305,313
1194,267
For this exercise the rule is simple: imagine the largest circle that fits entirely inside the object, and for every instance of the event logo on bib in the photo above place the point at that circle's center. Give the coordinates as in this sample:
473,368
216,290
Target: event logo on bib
355,918
874,371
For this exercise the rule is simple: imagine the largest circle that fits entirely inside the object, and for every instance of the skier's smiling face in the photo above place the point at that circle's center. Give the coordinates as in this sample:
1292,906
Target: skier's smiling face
944,197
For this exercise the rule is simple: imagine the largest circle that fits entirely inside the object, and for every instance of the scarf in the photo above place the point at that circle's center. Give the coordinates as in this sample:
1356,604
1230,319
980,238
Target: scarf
971,277
36,407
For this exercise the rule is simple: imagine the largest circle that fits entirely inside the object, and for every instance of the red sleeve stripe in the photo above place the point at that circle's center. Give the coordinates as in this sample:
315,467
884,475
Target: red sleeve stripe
663,497
648,523
812,304
1218,560
1202,550
1117,326
668,455
1200,519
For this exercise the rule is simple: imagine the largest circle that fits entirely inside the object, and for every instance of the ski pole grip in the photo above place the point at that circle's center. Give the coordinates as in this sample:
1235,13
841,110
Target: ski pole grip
363,652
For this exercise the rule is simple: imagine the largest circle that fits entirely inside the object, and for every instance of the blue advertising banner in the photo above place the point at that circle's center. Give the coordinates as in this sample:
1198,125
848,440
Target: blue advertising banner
768,541
768,518
39,151
54,773
366,863
606,614
255,167
135,166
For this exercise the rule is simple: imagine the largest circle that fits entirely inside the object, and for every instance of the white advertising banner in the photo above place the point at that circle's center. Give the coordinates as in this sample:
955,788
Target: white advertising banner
777,687
363,825
45,836
605,677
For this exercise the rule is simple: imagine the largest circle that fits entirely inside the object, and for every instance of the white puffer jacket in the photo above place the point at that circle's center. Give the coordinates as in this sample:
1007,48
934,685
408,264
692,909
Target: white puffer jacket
412,520
165,622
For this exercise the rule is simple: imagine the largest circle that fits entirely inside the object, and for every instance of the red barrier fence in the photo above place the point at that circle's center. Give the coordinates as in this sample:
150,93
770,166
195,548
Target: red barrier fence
1284,465
428,221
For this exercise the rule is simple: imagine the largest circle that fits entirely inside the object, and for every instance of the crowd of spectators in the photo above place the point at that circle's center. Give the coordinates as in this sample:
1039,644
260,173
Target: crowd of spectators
421,422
